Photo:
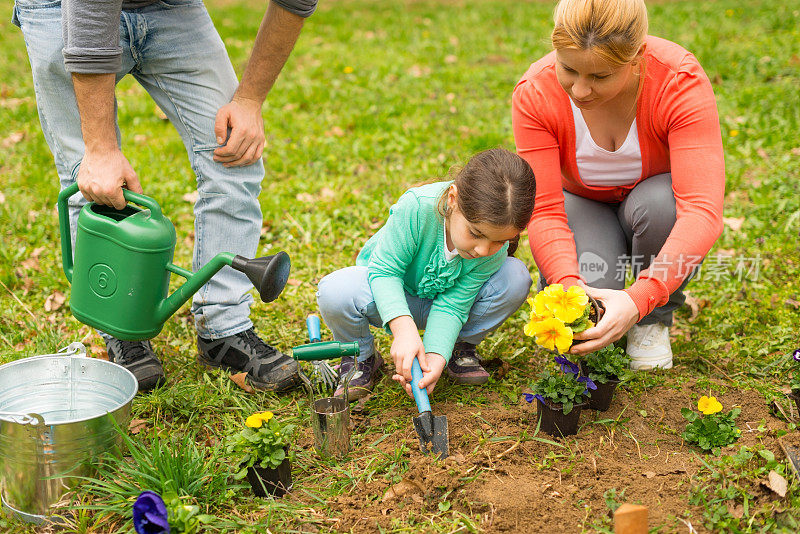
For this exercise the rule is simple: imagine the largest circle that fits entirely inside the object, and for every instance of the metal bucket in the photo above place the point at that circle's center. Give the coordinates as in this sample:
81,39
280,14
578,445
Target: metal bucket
331,423
53,423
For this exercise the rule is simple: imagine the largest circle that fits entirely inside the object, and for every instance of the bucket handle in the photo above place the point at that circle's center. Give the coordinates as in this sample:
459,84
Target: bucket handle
75,348
33,419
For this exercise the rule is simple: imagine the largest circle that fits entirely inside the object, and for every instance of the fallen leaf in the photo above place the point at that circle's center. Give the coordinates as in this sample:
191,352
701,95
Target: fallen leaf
31,264
327,193
401,489
137,425
294,282
456,458
191,197
776,483
649,474
54,301
796,151
2,198
792,302
305,197
726,252
736,510
12,139
734,223
450,59
240,380
762,153
160,114
696,306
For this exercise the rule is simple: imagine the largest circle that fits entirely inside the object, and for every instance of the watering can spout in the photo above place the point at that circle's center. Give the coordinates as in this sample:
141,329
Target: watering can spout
268,274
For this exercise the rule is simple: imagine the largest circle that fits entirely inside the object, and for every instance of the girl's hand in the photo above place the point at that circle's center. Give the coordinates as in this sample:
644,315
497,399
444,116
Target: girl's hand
429,379
621,313
406,346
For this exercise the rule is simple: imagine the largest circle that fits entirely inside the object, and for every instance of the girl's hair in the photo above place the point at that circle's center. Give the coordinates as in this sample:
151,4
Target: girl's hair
613,29
495,187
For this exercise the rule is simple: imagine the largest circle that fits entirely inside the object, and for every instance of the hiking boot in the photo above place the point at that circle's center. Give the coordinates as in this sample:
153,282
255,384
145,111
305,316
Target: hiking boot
138,358
245,352
465,366
366,376
649,347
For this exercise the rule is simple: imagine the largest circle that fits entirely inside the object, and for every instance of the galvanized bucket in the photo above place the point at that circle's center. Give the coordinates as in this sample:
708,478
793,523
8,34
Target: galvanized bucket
54,421
331,423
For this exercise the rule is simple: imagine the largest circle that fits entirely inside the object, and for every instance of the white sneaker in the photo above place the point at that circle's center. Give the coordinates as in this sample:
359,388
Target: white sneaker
649,347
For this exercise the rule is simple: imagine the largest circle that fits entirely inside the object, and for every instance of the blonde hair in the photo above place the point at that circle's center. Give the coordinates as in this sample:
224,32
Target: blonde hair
613,29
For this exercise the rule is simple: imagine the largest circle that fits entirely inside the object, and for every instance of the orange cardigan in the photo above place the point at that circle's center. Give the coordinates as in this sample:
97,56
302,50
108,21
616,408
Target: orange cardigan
678,126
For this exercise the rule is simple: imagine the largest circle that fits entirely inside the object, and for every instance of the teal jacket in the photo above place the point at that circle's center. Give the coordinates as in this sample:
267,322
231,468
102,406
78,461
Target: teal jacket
407,254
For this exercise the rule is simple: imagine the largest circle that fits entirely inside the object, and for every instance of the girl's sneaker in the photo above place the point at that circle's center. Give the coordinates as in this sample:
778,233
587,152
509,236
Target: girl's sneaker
465,367
366,376
649,347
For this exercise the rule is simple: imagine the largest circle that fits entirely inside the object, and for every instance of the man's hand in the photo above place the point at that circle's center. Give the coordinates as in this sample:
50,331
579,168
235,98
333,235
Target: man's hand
621,313
102,176
245,143
429,379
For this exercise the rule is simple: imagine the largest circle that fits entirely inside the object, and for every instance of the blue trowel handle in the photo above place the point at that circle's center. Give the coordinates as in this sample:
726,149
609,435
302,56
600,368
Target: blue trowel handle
420,395
312,325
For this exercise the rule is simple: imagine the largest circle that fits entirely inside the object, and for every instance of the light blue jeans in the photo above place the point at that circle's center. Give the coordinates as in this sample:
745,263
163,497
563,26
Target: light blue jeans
346,304
173,50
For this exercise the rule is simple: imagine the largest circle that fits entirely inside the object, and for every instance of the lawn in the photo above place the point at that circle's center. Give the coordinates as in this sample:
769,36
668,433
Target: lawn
377,97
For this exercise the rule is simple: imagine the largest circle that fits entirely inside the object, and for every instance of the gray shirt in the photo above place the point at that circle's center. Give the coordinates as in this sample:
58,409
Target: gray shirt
91,31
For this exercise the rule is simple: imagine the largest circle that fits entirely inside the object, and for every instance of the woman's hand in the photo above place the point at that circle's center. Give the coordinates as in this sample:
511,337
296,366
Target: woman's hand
406,346
429,379
621,313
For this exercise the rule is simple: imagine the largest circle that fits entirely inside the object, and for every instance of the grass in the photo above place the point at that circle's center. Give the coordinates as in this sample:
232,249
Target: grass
376,98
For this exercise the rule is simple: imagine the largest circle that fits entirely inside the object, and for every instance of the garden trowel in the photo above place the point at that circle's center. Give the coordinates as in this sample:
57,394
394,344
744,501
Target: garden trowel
432,430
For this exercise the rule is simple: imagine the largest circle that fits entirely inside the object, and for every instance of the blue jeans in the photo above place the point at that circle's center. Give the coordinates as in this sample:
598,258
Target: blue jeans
348,307
173,50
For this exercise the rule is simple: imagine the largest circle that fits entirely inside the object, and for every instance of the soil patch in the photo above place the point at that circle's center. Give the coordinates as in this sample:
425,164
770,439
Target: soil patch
516,481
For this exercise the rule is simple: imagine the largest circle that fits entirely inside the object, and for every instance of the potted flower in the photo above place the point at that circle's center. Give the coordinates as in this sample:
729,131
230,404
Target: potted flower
713,429
795,381
561,396
263,451
606,367
558,314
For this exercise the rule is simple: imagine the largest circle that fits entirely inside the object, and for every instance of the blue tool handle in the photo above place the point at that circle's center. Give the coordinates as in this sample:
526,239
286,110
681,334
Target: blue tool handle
420,395
312,325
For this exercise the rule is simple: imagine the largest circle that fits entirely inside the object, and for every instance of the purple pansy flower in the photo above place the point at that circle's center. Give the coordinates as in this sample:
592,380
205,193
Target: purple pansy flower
796,355
530,396
589,383
567,366
150,514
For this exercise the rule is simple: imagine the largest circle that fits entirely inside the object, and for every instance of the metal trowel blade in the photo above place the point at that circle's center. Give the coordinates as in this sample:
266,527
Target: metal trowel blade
432,432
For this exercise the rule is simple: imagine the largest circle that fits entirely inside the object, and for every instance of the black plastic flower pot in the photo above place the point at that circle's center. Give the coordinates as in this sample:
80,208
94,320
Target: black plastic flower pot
553,421
600,398
271,481
594,316
795,396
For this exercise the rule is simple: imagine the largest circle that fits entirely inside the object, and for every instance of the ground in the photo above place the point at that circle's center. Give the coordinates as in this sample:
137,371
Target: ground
377,97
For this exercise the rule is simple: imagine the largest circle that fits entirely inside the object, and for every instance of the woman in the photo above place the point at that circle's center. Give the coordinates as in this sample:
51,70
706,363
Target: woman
621,130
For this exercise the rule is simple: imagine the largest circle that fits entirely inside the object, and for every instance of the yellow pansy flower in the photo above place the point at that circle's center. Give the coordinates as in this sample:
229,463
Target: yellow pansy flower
258,419
551,334
709,405
253,421
566,305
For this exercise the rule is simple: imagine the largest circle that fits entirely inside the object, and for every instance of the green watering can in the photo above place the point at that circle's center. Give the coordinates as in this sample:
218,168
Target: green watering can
122,264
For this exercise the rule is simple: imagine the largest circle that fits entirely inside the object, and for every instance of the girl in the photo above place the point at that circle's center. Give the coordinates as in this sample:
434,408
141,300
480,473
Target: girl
440,263
621,129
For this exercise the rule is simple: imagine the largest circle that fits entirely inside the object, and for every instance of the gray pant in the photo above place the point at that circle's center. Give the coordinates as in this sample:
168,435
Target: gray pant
610,237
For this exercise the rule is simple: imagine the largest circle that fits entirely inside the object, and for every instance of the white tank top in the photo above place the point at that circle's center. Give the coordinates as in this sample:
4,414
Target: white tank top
600,167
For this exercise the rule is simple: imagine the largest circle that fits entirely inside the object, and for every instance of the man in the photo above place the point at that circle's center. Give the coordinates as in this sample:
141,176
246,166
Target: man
78,51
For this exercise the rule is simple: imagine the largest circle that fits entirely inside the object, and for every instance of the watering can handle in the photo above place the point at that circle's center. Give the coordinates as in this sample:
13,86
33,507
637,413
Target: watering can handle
63,220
